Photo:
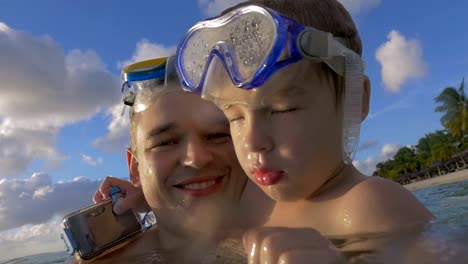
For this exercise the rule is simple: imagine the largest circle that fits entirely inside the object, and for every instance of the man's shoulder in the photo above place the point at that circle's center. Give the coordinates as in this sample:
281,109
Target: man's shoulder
137,246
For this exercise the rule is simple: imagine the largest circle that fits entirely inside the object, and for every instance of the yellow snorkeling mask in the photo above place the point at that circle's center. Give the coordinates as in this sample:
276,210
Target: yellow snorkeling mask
145,81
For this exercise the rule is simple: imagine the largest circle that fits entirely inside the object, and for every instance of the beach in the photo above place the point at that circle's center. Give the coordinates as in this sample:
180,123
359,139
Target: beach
444,179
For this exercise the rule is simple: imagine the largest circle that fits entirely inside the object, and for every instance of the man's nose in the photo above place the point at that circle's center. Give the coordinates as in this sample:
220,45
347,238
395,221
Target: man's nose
197,154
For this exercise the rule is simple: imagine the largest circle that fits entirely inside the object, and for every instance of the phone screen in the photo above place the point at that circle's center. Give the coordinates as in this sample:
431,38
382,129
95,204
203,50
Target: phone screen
96,228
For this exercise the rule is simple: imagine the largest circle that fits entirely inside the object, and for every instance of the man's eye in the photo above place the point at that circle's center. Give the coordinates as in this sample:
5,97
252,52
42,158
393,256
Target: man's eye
164,144
219,138
167,143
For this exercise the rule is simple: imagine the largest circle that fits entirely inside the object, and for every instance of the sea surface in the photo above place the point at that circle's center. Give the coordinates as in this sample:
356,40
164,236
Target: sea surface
444,241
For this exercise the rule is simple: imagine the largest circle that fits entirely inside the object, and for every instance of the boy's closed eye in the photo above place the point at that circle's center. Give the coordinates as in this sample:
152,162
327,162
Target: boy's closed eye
233,114
235,118
285,110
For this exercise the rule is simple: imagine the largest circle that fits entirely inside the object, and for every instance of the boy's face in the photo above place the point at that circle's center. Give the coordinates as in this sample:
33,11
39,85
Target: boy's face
186,162
292,145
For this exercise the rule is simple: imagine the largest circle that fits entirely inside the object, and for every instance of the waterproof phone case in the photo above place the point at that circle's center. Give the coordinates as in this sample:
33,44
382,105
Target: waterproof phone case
95,230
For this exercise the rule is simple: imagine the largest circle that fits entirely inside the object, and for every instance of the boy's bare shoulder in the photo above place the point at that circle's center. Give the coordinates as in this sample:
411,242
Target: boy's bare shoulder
377,205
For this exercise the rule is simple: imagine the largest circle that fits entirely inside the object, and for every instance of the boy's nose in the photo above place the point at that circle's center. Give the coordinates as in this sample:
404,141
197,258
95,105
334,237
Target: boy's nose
196,155
256,137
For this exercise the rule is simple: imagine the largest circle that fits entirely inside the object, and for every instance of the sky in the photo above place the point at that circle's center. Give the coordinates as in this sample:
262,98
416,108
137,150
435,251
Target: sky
61,124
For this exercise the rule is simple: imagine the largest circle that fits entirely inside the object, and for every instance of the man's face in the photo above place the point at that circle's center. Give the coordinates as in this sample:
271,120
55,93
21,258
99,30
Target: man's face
186,162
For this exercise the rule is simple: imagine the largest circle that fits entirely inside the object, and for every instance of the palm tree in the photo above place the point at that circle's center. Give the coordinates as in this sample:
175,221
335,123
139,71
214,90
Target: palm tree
383,168
406,158
387,169
454,105
423,151
442,145
436,146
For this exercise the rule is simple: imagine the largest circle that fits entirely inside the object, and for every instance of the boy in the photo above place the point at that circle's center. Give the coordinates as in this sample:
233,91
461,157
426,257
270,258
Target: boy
288,76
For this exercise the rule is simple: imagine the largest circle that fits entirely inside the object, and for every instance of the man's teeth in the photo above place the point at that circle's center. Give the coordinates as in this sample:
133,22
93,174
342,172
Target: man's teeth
199,185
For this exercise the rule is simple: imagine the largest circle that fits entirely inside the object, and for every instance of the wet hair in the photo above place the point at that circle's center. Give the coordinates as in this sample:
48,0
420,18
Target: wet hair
325,15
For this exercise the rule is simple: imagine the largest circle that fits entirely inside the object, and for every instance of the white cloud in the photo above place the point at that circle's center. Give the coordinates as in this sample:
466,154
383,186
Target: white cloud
359,6
31,239
42,192
4,27
367,166
118,135
401,60
44,89
370,143
146,50
389,150
36,200
89,160
55,162
18,147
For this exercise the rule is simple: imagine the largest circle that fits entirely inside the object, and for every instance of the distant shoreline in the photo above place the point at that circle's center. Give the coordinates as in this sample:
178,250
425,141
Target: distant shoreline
444,179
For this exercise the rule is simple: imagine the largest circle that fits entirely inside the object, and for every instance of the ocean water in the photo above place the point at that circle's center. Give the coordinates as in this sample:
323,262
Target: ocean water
45,258
449,202
444,241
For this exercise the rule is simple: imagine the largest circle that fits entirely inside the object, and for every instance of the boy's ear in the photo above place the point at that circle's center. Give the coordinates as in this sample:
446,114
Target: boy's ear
365,98
132,164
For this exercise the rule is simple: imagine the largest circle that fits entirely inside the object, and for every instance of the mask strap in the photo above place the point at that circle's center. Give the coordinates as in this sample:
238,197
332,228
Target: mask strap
321,46
128,97
352,107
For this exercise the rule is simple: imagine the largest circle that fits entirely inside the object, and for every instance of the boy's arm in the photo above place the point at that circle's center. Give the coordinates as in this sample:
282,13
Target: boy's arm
289,245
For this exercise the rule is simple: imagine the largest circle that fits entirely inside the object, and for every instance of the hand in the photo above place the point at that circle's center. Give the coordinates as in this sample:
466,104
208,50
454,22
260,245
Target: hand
133,195
289,245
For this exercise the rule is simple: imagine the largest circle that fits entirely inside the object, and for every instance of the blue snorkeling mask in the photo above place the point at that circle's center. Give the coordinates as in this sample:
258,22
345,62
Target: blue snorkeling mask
228,58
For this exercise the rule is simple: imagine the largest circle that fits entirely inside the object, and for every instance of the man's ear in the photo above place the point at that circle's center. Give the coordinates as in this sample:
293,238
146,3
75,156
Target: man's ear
132,164
365,98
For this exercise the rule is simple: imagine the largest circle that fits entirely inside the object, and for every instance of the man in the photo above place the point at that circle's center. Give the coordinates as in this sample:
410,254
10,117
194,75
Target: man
186,168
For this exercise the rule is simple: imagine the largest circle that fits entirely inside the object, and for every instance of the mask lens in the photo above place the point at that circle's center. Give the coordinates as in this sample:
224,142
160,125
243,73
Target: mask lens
243,40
